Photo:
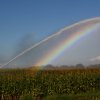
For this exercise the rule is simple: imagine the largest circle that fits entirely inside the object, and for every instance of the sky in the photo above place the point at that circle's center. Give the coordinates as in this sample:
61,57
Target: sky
25,22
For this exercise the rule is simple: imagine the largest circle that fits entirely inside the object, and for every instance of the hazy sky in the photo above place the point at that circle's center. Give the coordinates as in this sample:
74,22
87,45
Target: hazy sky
24,20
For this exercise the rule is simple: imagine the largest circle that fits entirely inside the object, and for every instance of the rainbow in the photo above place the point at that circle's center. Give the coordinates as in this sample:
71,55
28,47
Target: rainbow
90,25
69,42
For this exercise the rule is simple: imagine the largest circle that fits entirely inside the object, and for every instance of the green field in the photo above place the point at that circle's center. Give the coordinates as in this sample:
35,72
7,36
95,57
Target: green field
69,84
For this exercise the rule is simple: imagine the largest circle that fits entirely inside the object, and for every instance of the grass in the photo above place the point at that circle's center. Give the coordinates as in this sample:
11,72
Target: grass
81,96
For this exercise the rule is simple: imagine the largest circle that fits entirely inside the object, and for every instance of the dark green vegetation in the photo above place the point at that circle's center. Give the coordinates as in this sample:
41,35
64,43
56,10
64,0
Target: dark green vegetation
69,84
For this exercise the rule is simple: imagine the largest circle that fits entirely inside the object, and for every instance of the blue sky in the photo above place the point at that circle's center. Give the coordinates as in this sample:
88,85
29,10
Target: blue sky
18,18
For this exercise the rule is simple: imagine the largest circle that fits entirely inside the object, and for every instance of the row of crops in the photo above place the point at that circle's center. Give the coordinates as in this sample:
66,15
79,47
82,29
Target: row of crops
15,83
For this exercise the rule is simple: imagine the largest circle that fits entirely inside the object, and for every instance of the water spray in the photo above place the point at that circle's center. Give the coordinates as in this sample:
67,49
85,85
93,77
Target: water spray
46,39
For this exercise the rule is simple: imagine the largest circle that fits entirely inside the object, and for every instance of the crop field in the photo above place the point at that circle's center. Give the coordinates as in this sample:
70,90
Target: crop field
69,84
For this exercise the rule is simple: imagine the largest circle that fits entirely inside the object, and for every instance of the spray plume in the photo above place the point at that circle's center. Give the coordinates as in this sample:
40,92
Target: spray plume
46,39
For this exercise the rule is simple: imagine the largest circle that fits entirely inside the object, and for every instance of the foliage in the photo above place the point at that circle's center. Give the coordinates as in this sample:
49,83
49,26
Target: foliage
80,96
16,83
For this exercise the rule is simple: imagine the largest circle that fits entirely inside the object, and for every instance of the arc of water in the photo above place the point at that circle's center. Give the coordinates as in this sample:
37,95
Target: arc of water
46,39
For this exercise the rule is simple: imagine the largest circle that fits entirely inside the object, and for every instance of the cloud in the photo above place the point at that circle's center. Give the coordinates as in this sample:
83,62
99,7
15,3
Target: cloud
95,58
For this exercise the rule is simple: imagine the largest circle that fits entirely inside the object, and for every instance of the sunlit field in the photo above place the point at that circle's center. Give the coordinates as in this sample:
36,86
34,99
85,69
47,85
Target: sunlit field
63,84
